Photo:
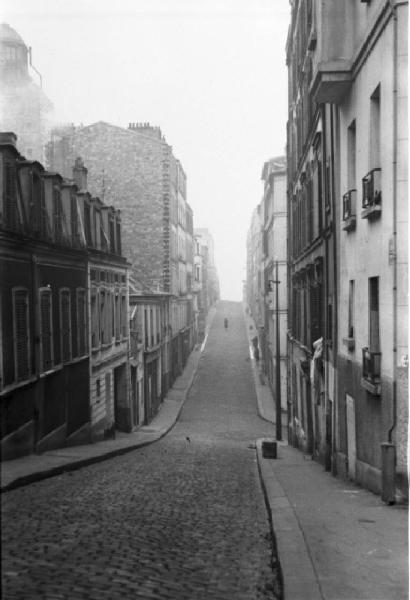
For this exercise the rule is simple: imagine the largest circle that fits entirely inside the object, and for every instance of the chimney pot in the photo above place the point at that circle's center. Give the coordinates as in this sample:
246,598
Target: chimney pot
80,174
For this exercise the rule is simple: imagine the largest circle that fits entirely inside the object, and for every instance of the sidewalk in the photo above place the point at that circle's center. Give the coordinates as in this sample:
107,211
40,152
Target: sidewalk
35,467
335,540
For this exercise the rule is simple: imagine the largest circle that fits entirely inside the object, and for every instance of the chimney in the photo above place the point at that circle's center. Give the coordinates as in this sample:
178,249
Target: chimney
146,129
80,174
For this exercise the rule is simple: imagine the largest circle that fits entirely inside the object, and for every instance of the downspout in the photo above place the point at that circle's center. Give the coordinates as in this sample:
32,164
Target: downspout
335,289
394,207
326,285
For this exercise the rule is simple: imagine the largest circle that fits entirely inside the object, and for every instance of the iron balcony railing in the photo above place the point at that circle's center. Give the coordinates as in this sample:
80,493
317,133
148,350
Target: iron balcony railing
349,205
371,365
371,187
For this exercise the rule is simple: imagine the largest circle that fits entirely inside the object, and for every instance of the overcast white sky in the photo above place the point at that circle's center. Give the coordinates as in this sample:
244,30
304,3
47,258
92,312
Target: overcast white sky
210,73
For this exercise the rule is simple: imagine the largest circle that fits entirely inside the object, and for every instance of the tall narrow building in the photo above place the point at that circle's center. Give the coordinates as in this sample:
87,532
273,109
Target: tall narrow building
348,235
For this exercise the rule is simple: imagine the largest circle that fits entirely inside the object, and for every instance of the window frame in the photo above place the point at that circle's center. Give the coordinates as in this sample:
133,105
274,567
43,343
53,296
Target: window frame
81,291
14,291
48,290
62,291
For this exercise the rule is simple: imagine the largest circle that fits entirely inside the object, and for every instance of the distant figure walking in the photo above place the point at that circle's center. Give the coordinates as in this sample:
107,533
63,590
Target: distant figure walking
226,323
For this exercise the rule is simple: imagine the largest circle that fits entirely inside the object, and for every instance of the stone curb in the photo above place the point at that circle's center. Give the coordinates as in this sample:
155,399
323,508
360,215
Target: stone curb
299,579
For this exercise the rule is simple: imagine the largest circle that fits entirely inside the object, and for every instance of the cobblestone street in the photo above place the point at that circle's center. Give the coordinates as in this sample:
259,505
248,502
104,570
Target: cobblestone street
181,519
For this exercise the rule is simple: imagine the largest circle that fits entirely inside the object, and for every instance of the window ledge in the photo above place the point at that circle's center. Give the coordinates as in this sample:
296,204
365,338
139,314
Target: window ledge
18,384
51,371
371,212
349,342
370,386
349,224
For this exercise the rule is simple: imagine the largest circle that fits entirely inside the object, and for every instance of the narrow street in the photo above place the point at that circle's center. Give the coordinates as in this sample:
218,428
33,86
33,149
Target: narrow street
183,518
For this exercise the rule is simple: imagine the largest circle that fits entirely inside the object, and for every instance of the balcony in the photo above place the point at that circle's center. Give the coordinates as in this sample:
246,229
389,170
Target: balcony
372,194
349,210
371,363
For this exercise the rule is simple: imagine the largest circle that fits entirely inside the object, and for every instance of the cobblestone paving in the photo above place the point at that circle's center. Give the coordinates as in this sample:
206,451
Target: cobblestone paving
180,519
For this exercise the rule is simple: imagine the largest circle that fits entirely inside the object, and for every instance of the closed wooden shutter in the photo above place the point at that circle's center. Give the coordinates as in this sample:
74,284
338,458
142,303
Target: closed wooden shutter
315,312
10,200
65,326
21,338
57,215
46,330
81,323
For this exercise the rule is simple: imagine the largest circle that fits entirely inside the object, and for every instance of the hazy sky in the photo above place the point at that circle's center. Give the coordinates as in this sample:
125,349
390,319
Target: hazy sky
210,73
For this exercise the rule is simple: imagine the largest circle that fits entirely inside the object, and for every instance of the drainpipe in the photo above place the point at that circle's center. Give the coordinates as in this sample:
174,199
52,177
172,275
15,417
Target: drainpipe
335,118
388,448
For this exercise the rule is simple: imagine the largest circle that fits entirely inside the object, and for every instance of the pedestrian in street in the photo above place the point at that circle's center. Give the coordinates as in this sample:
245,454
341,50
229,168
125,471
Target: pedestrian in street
226,323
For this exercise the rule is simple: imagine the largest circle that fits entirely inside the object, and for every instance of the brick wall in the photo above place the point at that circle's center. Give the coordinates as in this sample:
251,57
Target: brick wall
129,169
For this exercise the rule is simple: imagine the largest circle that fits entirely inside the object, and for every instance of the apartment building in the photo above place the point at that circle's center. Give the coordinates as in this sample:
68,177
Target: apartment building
274,284
347,210
135,169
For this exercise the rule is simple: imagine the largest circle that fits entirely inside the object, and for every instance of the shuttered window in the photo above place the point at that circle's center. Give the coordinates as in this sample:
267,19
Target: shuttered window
65,324
10,199
81,323
21,334
315,312
95,338
46,330
57,214
117,317
123,315
103,318
74,219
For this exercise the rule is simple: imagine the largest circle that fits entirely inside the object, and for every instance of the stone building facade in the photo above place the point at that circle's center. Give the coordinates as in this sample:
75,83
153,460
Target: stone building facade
274,264
136,170
64,289
107,299
372,416
24,107
347,211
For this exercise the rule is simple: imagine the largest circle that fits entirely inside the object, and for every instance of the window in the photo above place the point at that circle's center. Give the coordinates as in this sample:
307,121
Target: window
118,224
38,215
351,156
112,235
123,314
57,214
98,387
65,324
10,199
95,337
21,333
87,224
315,312
350,332
375,129
374,341
117,317
74,219
46,330
146,327
103,318
81,323
108,317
